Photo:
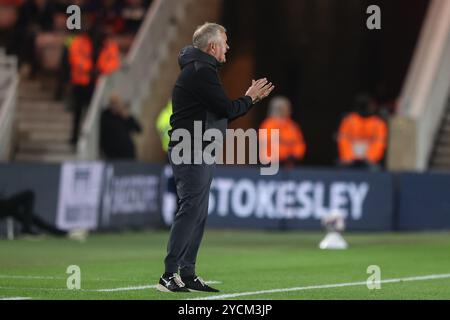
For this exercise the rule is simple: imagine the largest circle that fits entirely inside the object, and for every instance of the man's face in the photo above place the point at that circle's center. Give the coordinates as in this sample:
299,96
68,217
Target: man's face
115,102
219,48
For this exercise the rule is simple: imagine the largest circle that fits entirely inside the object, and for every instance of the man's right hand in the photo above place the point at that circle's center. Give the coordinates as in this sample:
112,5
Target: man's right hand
259,89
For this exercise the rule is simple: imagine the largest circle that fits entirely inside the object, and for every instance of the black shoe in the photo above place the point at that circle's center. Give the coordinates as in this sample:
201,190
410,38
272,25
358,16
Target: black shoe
195,283
171,283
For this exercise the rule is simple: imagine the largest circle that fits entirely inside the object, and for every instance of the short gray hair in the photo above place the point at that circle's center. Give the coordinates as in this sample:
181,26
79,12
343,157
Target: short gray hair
205,33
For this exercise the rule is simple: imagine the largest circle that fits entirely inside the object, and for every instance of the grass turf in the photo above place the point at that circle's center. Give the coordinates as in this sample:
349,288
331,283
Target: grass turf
241,261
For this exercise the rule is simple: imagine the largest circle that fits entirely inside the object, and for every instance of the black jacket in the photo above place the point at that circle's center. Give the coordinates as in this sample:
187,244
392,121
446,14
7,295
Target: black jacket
115,136
198,95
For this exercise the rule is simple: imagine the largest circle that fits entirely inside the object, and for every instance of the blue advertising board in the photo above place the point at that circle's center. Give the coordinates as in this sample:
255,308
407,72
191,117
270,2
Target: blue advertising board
424,201
102,195
298,199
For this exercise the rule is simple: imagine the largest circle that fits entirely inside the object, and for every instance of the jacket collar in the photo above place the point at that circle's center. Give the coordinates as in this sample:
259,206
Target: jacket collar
191,54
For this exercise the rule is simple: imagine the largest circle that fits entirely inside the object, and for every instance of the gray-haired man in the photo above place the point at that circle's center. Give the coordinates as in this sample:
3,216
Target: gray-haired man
198,96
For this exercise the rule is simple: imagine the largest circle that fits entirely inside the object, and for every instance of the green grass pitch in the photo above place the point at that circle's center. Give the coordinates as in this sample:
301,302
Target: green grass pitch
241,261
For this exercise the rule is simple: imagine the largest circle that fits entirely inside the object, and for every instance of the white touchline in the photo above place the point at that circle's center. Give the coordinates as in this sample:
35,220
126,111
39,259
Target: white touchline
16,298
133,288
8,276
136,288
325,286
121,289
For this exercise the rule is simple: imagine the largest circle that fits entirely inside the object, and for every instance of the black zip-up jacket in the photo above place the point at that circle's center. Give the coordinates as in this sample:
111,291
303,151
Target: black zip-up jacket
198,95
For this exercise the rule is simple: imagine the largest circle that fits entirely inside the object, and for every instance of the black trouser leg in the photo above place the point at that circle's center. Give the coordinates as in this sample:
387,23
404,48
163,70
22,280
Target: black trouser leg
81,99
193,184
187,264
77,108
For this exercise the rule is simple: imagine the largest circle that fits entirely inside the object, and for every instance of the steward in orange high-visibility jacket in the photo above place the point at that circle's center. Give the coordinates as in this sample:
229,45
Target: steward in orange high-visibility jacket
291,146
81,55
362,136
90,55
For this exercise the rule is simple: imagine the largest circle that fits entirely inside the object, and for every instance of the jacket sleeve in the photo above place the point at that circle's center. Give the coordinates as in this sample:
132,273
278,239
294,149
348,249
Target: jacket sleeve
211,94
133,124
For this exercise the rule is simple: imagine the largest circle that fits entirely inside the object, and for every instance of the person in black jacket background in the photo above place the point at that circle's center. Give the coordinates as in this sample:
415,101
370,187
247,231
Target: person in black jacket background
20,206
198,95
116,128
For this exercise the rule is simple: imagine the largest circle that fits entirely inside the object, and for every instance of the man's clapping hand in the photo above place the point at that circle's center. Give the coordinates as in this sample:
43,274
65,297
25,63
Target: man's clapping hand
259,89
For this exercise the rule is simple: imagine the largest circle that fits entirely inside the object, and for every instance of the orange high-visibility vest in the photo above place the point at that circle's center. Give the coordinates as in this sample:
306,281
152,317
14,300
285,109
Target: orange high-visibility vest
368,134
291,142
80,59
109,58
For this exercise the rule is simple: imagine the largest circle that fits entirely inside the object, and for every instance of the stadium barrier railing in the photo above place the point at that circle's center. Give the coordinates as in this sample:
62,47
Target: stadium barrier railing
9,83
424,95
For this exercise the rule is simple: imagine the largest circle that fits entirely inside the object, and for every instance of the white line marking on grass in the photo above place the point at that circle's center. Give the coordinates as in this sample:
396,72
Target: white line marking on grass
325,286
133,288
8,276
121,289
16,298
137,288
32,288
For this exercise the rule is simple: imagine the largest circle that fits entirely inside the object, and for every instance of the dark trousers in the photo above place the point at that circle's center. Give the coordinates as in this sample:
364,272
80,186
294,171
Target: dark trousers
193,183
81,98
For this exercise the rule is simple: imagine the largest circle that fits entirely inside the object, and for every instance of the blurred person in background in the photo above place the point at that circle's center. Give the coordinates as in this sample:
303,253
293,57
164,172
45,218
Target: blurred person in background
8,18
163,125
64,72
91,54
292,146
34,16
20,206
109,12
362,136
133,13
116,127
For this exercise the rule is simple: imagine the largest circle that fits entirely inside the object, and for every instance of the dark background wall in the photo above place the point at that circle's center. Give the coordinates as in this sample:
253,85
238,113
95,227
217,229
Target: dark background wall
320,54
